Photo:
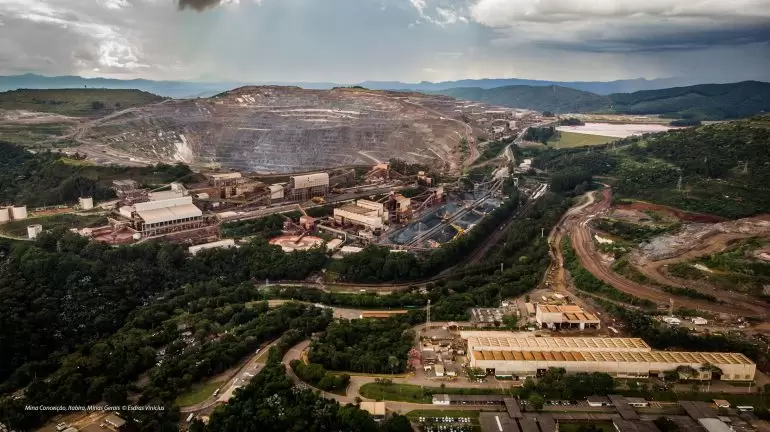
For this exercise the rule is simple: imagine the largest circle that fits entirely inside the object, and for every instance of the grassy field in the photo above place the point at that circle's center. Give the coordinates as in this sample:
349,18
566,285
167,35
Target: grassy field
28,135
75,102
197,394
19,228
573,139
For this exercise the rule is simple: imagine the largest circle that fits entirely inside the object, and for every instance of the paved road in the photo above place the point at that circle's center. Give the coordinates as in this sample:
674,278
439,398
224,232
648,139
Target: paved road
357,381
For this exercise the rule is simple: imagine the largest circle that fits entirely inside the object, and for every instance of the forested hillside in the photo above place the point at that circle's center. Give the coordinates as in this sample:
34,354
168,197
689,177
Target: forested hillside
49,178
703,102
725,168
551,98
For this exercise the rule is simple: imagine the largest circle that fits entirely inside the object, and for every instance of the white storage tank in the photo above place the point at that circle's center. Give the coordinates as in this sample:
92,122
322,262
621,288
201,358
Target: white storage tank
5,215
86,203
19,213
136,236
34,230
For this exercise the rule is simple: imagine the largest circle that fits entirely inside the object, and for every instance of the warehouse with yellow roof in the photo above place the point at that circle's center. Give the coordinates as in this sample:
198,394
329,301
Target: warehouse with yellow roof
523,355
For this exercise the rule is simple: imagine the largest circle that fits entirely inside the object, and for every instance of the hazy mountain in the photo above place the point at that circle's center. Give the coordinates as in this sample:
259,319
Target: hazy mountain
705,101
187,89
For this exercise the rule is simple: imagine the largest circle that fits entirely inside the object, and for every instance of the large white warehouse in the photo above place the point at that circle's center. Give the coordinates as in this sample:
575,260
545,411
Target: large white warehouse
518,355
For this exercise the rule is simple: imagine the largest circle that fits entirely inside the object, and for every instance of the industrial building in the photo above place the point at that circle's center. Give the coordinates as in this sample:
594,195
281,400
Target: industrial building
365,213
8,214
128,191
524,355
163,216
226,243
304,187
565,316
486,317
86,203
34,230
233,184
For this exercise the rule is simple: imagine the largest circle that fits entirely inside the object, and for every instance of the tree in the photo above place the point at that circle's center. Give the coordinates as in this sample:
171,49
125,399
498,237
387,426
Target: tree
536,401
97,105
511,322
396,423
665,424
393,362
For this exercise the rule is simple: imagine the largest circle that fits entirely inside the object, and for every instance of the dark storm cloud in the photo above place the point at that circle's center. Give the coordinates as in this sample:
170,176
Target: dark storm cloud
198,5
666,39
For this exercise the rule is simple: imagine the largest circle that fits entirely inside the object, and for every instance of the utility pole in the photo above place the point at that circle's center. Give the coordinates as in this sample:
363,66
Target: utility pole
542,232
671,299
427,323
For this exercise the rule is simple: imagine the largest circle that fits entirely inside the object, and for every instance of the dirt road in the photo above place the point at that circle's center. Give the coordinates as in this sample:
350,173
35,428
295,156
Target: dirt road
656,271
575,223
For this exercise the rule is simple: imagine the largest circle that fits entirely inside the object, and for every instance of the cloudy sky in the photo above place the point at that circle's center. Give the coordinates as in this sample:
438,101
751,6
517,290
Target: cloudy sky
348,41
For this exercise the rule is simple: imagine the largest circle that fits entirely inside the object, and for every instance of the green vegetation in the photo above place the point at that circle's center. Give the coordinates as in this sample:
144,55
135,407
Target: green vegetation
724,168
272,403
317,376
32,135
735,269
541,134
75,102
631,232
492,149
571,121
75,325
370,346
584,427
702,102
47,179
66,221
685,123
556,384
198,393
267,227
640,324
587,282
566,139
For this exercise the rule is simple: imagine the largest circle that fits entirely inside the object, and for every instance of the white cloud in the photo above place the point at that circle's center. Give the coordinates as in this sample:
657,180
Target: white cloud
115,4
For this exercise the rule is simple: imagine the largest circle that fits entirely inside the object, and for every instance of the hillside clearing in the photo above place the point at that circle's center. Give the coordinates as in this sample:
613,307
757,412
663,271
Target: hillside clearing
574,139
75,102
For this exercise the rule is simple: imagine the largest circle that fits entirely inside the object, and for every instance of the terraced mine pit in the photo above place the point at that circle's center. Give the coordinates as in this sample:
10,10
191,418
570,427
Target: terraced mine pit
289,129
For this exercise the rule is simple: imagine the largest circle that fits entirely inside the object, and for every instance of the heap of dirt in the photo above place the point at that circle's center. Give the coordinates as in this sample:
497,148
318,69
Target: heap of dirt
697,235
671,211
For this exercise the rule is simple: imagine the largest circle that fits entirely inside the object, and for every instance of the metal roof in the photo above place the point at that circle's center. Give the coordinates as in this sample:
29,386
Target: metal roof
157,204
497,422
616,357
558,343
310,180
168,214
352,208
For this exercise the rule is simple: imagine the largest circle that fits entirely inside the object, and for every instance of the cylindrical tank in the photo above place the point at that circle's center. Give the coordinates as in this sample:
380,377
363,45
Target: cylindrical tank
5,215
137,236
86,203
19,213
33,231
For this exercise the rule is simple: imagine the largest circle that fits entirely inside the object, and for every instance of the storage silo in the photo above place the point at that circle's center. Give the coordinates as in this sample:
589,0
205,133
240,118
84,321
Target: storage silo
86,203
34,230
19,213
5,215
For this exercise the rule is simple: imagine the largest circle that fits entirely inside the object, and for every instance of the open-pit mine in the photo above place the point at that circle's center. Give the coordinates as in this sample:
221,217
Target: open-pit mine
289,129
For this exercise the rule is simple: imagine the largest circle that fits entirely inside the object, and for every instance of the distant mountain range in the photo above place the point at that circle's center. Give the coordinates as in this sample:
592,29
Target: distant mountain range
188,89
705,101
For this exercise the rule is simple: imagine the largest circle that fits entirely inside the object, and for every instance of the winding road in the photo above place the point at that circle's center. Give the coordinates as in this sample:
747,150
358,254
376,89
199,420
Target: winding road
576,222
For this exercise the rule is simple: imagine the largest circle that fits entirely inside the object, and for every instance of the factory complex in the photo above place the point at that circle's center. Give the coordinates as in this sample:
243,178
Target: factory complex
520,355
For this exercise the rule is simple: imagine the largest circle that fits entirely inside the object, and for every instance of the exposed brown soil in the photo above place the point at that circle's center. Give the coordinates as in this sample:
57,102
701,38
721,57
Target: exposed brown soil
671,211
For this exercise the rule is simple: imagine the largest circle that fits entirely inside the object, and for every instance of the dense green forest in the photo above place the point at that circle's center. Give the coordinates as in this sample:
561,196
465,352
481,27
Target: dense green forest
699,102
367,345
725,167
541,134
47,178
271,402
